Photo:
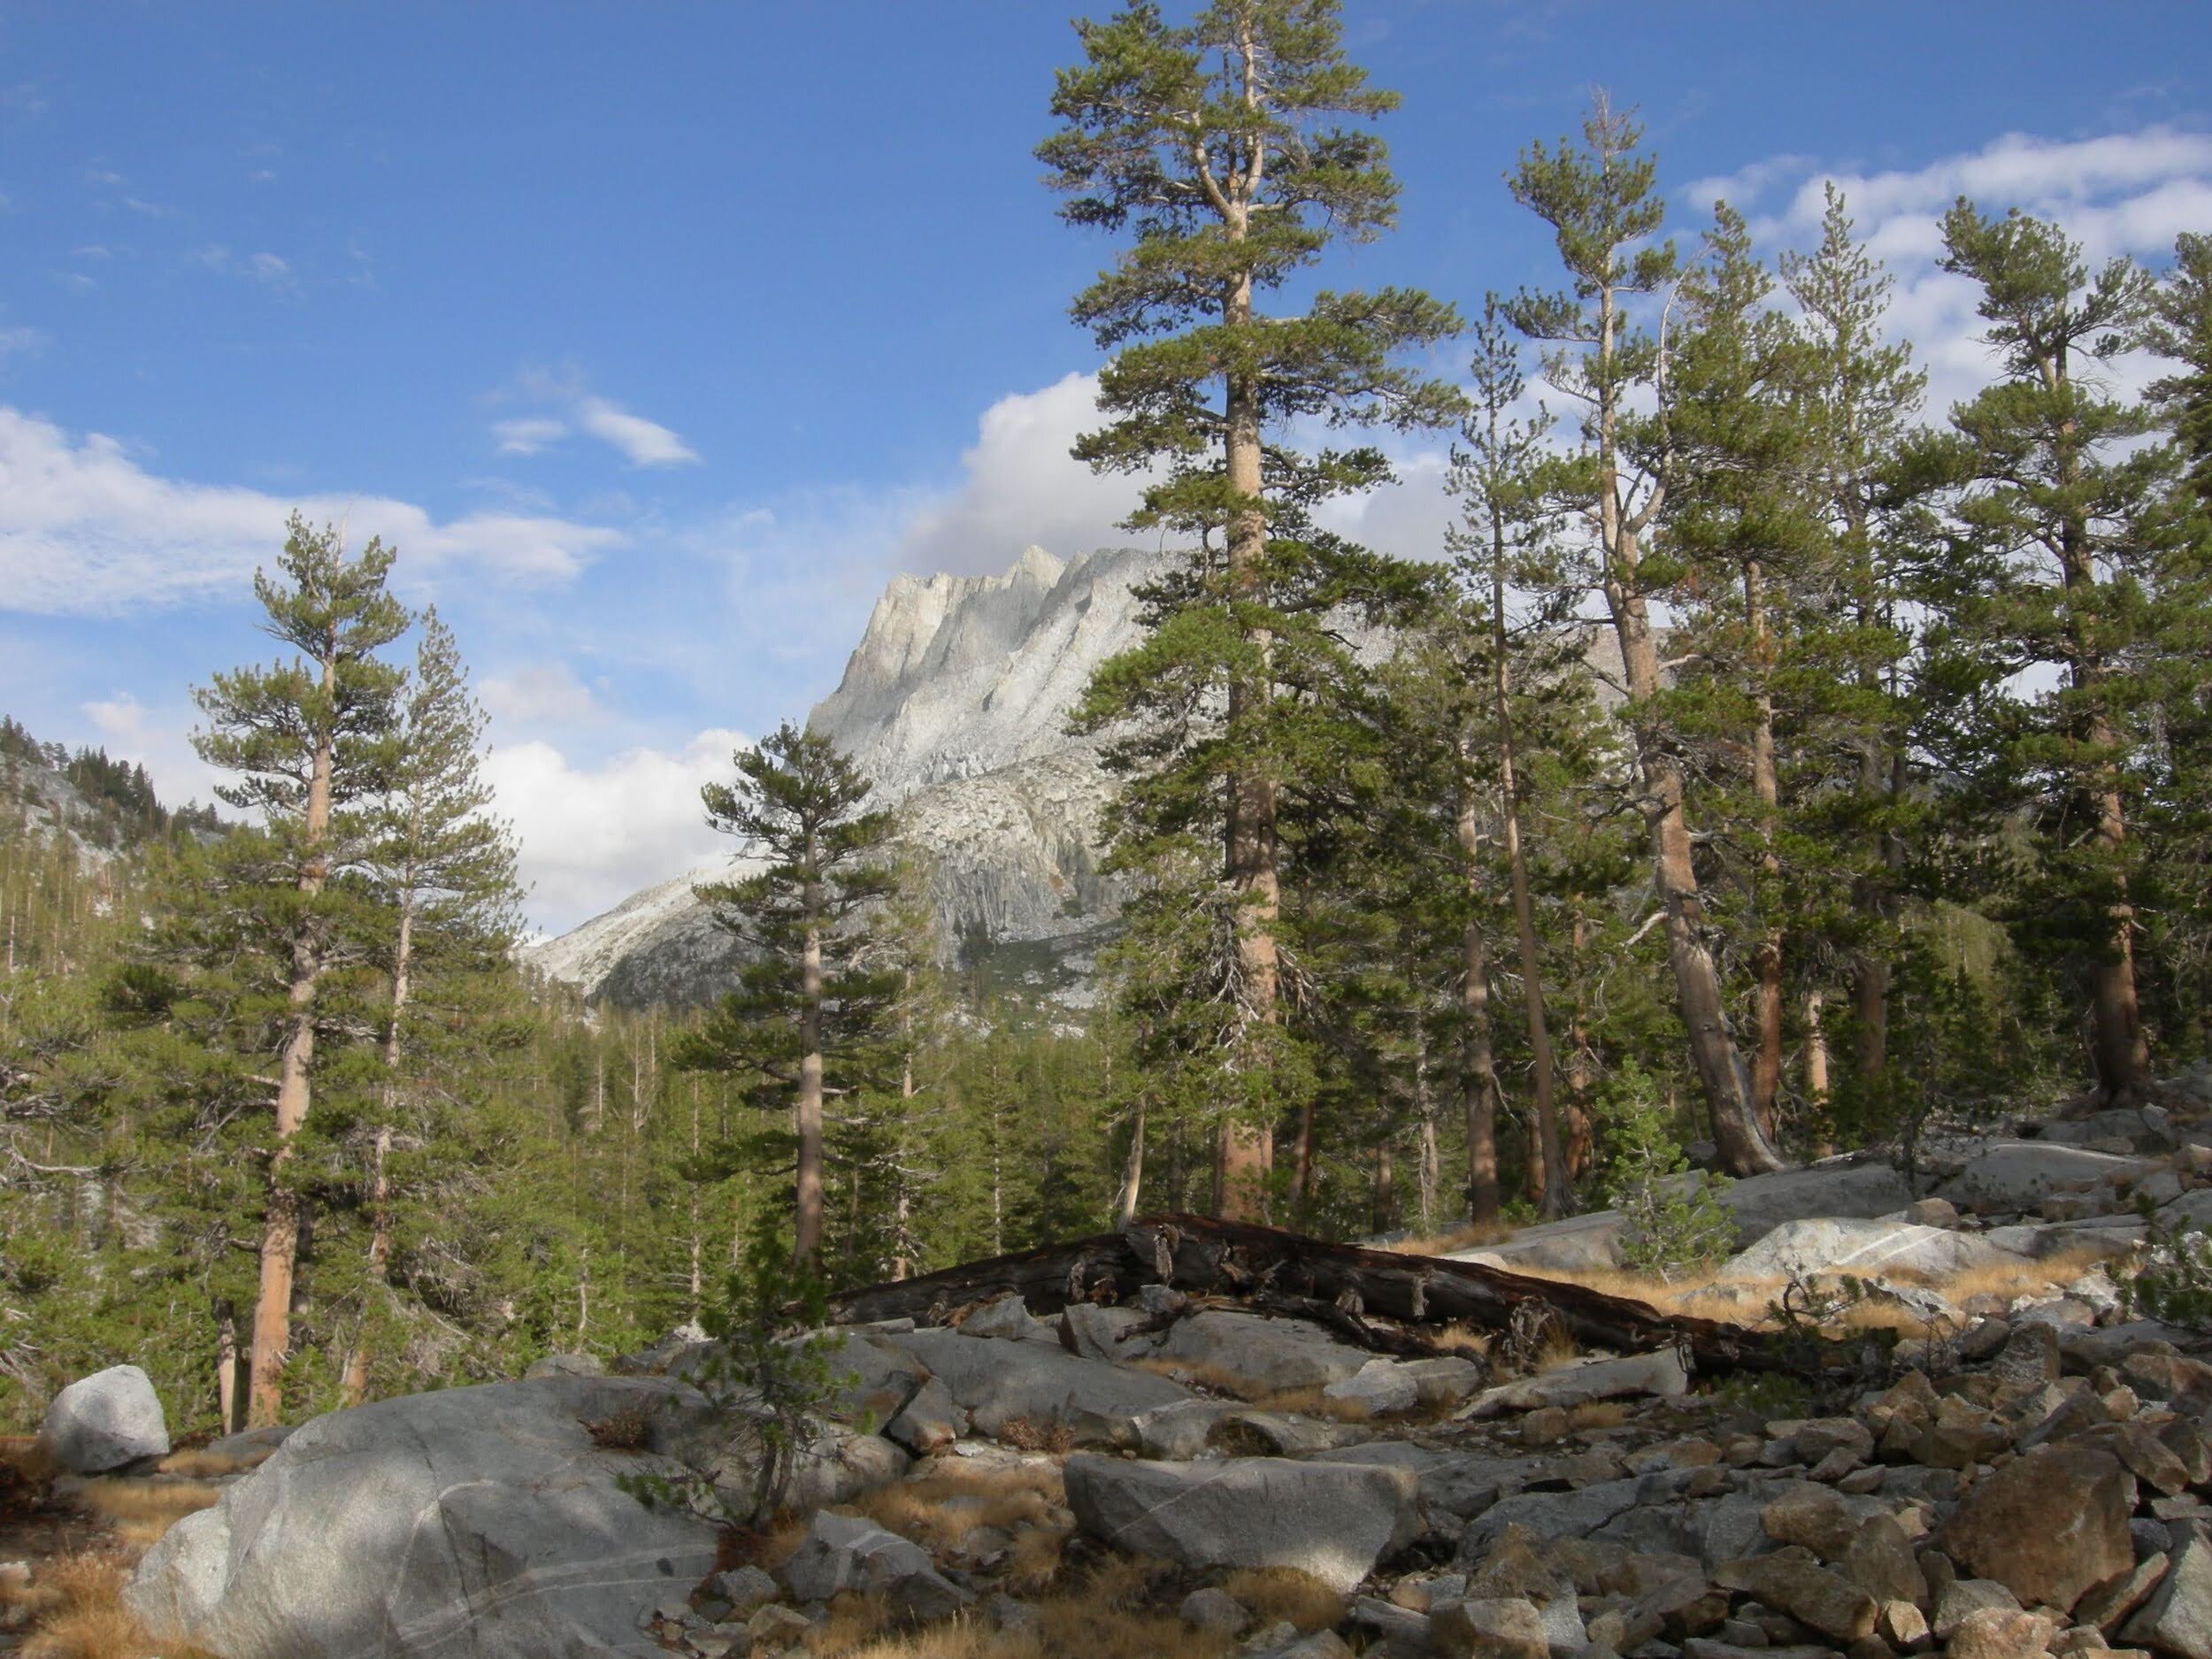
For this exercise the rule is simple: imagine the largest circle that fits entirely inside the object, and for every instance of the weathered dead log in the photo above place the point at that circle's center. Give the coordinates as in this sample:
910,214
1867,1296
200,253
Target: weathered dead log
1283,1272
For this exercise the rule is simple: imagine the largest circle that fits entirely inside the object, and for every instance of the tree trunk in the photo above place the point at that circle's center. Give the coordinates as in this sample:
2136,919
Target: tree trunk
1477,1069
227,1401
1743,1150
1766,1064
355,1383
1816,1074
1386,1211
1250,830
1131,1169
1557,1179
806,1249
280,1223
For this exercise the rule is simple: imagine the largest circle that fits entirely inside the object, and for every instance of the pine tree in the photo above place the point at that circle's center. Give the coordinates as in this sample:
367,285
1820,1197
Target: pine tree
444,869
1741,522
1217,146
1862,398
311,741
1599,202
804,1020
2060,537
1505,543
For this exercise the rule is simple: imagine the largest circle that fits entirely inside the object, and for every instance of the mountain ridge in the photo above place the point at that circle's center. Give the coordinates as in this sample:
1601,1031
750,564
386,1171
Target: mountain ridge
954,702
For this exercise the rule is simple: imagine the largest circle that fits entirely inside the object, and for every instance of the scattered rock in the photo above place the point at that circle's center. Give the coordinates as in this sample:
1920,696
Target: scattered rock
1380,1389
1332,1521
1215,1612
840,1553
2048,1526
1500,1628
1794,1582
1993,1633
1663,1374
566,1365
995,1382
481,1523
105,1421
928,1421
1259,1356
1007,1317
2177,1618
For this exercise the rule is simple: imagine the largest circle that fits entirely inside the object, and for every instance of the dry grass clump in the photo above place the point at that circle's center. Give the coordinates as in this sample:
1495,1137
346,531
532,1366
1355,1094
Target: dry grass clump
23,1460
1458,1340
2008,1279
1103,1616
942,1507
1026,1436
626,1430
1274,1594
1474,1236
76,1603
138,1512
200,1464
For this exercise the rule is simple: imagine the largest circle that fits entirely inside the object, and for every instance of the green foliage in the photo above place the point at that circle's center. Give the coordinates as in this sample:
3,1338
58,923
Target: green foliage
2173,1279
1672,1220
771,1376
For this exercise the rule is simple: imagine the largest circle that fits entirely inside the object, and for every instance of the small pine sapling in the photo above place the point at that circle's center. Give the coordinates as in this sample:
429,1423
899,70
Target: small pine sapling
1673,1221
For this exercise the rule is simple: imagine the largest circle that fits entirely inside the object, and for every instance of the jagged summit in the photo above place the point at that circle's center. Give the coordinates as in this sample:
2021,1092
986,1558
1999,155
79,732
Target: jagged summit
956,702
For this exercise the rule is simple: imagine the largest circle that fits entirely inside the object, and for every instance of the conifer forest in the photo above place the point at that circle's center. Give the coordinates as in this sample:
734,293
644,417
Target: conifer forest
1772,760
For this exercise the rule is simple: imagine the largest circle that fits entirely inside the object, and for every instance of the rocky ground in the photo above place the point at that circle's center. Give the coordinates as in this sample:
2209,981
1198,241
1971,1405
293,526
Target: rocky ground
1988,1457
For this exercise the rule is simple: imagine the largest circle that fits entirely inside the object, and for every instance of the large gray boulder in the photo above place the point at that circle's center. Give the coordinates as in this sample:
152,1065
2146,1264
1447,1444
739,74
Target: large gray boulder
105,1421
1333,1521
995,1382
1253,1356
1661,1373
841,1553
1868,1249
2017,1175
471,1524
1860,1187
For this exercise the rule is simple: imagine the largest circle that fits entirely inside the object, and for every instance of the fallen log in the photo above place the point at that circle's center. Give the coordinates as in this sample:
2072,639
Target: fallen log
1350,1289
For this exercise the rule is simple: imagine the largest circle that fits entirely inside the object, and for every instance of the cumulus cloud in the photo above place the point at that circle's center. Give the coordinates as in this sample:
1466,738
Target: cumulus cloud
592,834
543,693
1019,485
86,531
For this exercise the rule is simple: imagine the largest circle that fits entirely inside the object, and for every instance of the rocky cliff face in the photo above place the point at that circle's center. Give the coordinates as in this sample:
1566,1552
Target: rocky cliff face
956,702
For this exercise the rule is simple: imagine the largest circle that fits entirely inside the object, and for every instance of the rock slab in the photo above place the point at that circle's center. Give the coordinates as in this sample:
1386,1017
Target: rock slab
1333,1521
105,1421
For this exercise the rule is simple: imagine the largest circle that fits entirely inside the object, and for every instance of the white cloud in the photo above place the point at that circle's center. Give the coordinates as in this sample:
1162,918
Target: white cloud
593,834
645,442
86,531
156,740
640,442
544,694
2121,193
13,340
527,435
1019,485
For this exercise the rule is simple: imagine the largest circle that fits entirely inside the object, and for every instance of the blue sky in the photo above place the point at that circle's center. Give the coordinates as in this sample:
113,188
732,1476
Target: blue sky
659,336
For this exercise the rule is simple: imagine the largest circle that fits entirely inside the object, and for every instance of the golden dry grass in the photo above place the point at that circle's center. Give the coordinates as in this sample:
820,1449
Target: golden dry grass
21,1457
940,1508
139,1511
77,1613
1474,1236
1274,1594
202,1464
1102,1615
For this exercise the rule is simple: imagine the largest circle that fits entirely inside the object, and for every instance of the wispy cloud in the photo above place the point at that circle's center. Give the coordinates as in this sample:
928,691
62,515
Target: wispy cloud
270,269
528,434
86,531
644,443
